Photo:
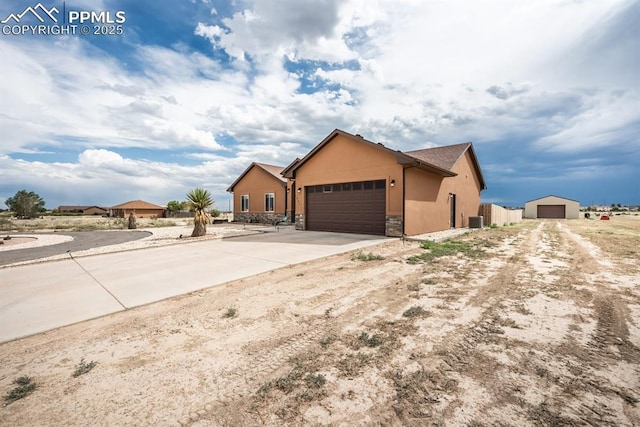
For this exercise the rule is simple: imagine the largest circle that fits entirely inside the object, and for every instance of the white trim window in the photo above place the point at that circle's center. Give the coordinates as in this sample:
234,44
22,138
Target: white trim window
269,202
244,203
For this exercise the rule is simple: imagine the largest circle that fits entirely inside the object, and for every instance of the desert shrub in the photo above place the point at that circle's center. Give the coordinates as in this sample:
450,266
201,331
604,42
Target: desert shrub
83,367
230,313
361,256
437,250
24,387
415,311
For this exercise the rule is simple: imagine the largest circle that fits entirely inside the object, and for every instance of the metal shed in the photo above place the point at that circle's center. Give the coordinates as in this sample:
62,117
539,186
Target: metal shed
552,207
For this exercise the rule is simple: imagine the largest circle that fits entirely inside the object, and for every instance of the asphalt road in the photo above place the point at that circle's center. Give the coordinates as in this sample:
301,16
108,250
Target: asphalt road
81,241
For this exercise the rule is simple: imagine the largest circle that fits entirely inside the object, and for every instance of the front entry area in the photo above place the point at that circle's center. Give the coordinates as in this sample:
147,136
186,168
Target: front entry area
353,207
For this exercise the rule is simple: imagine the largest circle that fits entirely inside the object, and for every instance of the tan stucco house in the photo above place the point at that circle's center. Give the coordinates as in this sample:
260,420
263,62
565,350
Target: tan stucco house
140,208
261,194
552,207
85,210
349,184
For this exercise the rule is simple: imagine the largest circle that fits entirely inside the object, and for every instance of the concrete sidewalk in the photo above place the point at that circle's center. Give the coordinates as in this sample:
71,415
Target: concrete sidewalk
41,297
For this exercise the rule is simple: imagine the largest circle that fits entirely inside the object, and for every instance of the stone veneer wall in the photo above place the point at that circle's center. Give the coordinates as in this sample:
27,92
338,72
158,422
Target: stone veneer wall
393,226
260,218
300,222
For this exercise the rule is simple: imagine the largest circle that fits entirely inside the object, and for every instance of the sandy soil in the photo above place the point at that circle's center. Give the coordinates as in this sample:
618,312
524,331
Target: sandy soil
535,324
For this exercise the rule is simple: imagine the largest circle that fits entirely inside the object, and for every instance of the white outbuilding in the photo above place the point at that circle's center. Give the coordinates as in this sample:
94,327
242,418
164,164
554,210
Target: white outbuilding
552,207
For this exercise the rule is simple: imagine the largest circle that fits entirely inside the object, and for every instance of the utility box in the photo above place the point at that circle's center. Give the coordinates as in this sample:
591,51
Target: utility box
476,221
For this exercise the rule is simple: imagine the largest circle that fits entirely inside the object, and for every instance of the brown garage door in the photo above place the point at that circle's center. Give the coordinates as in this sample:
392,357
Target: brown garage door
354,207
551,211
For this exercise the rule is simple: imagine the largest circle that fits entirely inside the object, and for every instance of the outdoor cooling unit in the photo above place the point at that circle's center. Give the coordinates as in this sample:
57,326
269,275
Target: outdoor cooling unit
476,221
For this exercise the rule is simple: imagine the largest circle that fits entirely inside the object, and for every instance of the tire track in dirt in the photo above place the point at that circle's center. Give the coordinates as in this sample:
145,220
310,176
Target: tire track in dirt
543,268
244,381
269,357
612,313
459,353
608,345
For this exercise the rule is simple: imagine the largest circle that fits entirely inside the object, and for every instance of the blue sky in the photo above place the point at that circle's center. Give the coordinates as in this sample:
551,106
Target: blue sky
193,91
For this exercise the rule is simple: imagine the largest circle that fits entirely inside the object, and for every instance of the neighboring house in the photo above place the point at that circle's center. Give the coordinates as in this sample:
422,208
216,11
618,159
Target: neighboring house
349,184
552,207
85,210
140,208
95,210
261,194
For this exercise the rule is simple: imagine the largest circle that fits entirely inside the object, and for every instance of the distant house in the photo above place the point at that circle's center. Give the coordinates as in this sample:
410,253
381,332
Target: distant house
552,207
140,208
349,184
84,210
261,194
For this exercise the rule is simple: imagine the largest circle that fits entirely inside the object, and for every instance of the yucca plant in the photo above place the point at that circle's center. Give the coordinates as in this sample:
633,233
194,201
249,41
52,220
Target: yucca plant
199,200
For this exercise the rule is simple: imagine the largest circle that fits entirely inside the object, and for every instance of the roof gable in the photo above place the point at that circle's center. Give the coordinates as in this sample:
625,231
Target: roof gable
402,158
137,204
553,195
272,170
448,156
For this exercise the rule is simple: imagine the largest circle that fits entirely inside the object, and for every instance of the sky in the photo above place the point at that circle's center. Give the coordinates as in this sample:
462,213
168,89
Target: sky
187,93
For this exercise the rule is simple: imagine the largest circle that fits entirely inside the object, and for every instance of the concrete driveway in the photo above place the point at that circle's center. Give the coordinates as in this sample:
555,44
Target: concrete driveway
41,297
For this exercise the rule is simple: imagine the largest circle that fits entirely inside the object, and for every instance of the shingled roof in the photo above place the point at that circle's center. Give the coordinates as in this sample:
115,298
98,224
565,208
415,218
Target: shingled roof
137,204
445,157
273,170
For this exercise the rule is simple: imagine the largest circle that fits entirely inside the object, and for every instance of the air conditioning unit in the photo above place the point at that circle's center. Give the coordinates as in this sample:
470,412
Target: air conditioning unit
476,221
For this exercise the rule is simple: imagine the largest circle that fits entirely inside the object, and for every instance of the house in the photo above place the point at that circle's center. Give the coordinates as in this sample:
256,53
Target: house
552,207
261,194
95,210
84,210
140,208
349,184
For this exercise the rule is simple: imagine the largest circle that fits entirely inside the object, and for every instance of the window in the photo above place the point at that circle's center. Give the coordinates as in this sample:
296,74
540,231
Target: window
269,202
244,202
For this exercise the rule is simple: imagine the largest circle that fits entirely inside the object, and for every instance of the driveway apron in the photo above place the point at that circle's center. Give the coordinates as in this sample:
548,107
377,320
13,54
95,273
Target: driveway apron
40,297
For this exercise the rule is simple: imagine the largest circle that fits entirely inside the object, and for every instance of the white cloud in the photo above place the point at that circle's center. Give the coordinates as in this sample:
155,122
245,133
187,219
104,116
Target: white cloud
181,133
557,76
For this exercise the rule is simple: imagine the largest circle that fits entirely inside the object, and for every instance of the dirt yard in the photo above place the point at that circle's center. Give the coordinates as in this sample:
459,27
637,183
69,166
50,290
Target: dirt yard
534,324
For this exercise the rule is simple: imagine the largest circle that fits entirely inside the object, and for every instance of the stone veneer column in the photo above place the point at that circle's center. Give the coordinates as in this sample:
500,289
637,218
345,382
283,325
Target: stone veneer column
300,222
393,226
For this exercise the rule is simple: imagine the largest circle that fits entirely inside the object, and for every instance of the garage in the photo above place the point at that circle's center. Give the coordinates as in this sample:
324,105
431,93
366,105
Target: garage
552,207
551,211
353,207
